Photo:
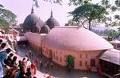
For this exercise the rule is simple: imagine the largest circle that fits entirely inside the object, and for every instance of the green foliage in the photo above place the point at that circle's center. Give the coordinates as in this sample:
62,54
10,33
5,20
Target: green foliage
105,2
6,17
84,12
88,11
78,2
3,23
54,1
113,34
72,23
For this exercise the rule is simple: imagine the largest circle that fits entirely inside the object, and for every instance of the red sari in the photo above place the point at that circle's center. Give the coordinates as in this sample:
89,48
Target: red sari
33,69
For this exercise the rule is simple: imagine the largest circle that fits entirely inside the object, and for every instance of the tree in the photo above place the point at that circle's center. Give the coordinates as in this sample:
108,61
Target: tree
54,1
3,23
113,34
6,17
89,11
72,23
105,3
78,2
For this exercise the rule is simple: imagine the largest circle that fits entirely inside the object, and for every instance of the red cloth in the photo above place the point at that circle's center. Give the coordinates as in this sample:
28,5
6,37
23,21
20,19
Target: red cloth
33,68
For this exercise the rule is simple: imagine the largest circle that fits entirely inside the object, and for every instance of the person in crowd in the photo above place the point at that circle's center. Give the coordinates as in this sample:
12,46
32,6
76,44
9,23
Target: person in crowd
13,62
20,65
27,55
28,73
11,73
33,69
24,63
30,54
41,64
3,55
1,71
28,63
24,60
3,45
46,65
9,59
36,62
51,65
1,41
21,73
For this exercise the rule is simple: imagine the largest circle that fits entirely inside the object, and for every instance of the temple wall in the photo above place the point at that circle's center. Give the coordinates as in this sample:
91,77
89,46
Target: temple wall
82,59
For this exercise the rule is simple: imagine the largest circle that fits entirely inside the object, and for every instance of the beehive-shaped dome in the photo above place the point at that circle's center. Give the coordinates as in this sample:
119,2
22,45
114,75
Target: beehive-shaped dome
32,23
45,29
52,22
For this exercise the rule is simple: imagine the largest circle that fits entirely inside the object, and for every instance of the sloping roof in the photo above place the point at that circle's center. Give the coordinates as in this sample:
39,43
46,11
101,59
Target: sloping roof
75,39
115,42
112,56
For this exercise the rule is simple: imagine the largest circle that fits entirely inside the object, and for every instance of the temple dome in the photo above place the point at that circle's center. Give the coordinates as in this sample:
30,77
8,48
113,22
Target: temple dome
45,29
52,22
75,39
32,23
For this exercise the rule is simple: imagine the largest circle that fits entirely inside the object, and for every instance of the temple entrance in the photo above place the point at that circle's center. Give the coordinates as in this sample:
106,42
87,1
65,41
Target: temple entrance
70,62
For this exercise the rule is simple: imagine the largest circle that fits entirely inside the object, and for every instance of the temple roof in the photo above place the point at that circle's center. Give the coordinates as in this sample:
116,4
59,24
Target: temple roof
75,39
32,21
112,56
52,22
45,29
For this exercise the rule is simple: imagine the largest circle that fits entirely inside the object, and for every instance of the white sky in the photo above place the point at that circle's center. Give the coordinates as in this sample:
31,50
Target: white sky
22,8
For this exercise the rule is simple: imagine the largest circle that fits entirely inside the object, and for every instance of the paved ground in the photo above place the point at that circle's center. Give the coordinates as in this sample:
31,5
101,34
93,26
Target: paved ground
57,72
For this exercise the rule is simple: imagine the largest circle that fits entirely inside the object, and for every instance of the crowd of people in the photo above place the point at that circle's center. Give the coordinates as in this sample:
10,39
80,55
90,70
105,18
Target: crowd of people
12,67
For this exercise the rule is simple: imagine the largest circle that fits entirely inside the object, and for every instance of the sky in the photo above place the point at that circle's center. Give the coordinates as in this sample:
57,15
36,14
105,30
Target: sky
22,8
